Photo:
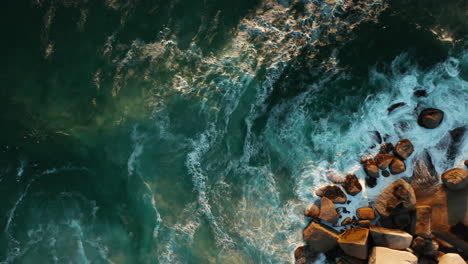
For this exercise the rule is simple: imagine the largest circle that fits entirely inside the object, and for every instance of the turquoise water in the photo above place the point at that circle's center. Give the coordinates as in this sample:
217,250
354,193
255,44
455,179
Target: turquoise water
192,131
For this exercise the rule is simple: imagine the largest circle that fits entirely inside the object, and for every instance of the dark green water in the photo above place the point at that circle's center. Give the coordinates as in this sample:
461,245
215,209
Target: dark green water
191,131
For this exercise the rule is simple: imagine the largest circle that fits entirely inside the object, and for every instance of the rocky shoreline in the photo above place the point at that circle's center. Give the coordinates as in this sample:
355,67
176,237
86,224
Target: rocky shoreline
422,218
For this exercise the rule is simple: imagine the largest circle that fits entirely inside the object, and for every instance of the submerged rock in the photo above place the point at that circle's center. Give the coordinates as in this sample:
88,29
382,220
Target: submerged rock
352,185
371,182
397,166
391,238
430,118
420,93
398,197
455,179
332,192
354,242
385,173
456,139
392,108
382,255
424,174
320,238
404,148
328,211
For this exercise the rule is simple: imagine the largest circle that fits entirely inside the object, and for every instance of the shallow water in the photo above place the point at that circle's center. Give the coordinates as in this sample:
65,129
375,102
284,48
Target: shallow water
197,131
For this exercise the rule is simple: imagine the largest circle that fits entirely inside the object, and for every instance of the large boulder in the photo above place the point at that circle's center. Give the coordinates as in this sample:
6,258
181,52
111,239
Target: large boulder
320,238
424,174
391,238
381,255
328,211
448,208
304,255
352,185
365,213
396,198
354,242
313,211
430,118
383,160
451,258
404,148
397,166
332,192
455,179
423,221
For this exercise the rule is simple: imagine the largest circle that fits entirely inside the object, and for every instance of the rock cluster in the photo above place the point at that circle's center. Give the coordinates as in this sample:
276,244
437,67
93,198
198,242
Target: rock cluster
413,220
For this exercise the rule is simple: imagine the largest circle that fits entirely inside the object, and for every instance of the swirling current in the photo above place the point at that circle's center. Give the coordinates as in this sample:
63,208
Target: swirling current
196,131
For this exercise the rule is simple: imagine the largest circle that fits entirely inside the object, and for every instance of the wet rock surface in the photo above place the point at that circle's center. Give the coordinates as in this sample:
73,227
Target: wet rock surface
403,149
397,166
424,174
332,192
320,238
352,185
430,118
455,179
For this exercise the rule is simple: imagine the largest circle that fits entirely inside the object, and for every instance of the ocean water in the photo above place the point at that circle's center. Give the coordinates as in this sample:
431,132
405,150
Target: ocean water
190,131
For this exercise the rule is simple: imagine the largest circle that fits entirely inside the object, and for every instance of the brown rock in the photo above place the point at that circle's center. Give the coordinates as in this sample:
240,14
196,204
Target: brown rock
365,213
313,211
391,238
382,255
304,255
320,238
352,185
448,208
332,192
383,160
354,242
364,223
347,221
327,211
423,221
397,166
398,197
403,149
371,169
466,163
386,148
455,179
430,118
